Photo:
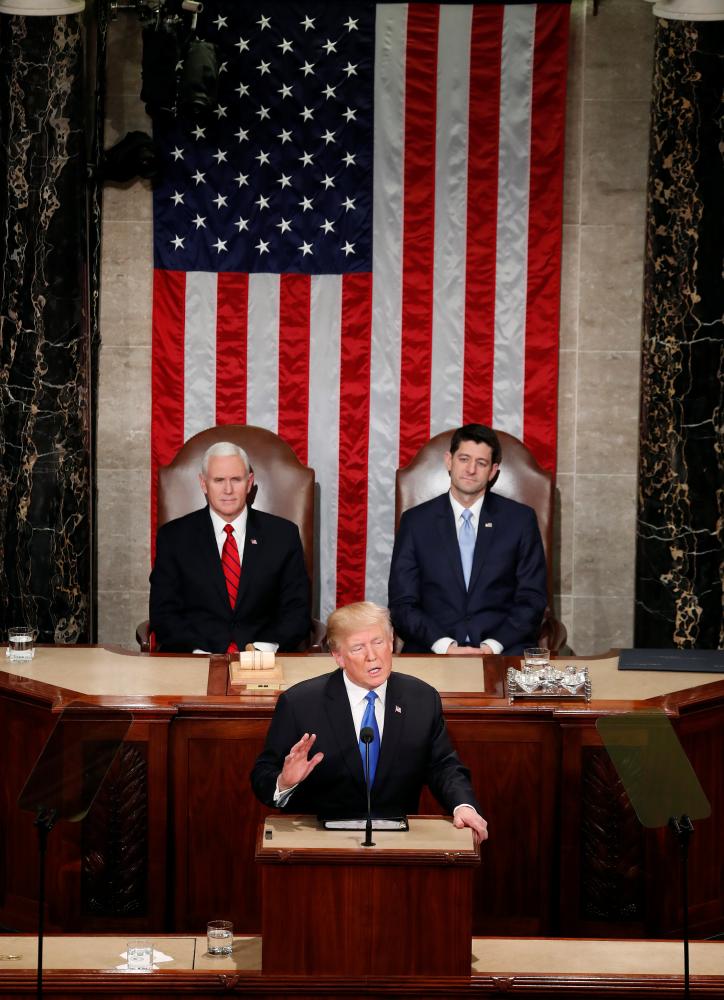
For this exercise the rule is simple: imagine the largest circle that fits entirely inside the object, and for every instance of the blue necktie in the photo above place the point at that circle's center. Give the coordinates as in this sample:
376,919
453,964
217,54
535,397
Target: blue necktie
370,720
466,541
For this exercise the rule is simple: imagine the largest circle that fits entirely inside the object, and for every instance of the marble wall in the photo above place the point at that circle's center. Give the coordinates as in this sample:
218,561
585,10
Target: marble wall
45,431
603,239
681,488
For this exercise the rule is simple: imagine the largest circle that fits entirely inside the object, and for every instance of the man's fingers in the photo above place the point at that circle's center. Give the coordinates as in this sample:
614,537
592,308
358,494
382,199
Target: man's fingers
468,817
304,745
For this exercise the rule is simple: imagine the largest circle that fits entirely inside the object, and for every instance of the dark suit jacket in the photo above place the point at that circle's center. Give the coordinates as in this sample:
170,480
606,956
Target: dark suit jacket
189,606
415,751
508,585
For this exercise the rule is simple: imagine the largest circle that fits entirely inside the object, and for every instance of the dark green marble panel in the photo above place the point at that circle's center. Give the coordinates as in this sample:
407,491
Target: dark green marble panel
681,489
45,535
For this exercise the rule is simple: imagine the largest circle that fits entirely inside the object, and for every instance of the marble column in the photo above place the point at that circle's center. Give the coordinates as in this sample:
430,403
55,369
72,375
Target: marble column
45,441
681,491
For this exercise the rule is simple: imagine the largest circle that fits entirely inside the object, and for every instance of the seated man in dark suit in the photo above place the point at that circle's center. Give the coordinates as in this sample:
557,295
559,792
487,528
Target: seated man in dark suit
411,747
468,571
227,575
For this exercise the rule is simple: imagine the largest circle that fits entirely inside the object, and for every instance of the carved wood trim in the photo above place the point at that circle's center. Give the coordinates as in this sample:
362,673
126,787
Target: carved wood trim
612,844
114,858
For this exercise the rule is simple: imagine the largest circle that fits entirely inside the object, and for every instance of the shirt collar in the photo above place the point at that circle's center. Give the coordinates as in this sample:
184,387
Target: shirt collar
355,693
458,508
238,524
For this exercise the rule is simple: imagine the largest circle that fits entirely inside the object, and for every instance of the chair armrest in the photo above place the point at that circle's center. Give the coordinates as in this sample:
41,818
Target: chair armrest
553,634
317,640
143,636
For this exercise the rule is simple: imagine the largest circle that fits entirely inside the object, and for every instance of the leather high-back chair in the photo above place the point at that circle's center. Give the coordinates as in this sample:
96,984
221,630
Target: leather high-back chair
520,478
282,486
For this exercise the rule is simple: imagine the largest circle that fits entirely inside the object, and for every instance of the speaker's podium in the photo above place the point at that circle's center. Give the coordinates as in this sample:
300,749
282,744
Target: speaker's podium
332,907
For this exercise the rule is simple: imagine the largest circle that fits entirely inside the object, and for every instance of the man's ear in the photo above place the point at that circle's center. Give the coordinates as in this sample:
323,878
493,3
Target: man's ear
249,483
448,460
202,480
337,657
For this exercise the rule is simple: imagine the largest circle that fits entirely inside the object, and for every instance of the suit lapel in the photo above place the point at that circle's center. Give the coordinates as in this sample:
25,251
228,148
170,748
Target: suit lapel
395,710
448,540
209,552
484,537
252,555
341,723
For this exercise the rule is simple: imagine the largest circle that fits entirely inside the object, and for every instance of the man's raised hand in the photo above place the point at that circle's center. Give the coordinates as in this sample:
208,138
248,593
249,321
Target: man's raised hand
297,764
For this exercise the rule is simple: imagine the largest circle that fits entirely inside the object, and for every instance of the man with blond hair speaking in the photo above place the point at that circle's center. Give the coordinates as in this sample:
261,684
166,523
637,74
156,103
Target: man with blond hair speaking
313,761
228,575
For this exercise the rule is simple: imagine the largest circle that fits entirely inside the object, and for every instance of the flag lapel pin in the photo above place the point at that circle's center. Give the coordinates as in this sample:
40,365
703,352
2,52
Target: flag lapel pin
252,541
398,710
488,524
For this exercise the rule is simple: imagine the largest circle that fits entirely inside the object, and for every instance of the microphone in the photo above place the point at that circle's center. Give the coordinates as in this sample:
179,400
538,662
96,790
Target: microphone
367,735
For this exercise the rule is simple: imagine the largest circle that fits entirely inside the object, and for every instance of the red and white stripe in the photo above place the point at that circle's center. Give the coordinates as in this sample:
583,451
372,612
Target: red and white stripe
457,322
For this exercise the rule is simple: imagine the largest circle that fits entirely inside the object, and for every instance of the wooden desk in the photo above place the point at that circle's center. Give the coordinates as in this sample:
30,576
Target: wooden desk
400,908
531,967
170,842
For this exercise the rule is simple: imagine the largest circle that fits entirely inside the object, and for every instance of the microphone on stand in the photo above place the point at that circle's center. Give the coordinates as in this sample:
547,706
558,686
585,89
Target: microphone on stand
366,736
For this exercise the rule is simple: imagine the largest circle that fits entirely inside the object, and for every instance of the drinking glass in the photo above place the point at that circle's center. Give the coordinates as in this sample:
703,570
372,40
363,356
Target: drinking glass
20,644
536,658
219,937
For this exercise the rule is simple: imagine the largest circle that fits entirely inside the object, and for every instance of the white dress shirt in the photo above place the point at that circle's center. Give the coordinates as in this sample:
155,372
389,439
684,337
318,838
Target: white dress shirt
442,645
358,703
239,526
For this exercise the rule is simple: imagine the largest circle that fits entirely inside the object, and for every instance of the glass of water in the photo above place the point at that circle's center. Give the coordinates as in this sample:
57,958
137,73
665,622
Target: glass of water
20,644
139,955
536,658
219,937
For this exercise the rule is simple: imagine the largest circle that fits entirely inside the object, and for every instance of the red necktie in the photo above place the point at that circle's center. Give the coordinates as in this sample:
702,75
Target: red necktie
232,571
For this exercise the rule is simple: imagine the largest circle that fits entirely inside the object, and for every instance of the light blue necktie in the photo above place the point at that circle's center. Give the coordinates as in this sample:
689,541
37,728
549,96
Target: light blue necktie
466,541
370,720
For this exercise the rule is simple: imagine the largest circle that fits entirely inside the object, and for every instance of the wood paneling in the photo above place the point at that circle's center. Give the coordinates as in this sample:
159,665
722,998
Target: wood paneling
539,771
364,920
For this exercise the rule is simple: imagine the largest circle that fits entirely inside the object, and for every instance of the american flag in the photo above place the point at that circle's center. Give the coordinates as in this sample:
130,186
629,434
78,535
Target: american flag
360,246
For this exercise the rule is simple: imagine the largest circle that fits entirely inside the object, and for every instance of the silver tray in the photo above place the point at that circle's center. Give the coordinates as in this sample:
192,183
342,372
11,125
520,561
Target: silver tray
550,685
